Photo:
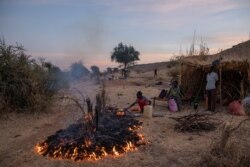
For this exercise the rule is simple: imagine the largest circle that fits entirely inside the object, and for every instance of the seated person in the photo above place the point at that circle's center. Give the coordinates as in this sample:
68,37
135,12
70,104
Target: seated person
175,93
163,94
141,101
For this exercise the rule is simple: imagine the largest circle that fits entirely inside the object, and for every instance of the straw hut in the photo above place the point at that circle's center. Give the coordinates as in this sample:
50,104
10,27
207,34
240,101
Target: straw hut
234,79
232,69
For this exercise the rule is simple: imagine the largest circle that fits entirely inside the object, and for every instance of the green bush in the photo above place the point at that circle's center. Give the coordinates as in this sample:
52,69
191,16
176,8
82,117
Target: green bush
24,83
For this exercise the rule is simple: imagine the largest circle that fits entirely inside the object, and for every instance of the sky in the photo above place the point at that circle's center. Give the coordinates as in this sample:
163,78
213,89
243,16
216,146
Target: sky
68,31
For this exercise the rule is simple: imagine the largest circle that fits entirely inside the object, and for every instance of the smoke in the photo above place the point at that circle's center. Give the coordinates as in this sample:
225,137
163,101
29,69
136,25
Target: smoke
84,40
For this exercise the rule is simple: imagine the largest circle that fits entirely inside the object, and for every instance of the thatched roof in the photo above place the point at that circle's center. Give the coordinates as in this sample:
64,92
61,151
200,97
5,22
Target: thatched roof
233,56
242,65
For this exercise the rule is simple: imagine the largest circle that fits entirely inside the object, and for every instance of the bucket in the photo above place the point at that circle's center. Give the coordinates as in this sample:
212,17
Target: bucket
148,111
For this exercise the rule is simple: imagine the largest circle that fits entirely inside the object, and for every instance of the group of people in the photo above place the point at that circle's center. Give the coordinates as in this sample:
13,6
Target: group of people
175,94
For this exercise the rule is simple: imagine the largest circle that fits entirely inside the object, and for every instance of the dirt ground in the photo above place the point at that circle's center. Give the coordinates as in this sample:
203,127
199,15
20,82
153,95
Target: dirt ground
166,147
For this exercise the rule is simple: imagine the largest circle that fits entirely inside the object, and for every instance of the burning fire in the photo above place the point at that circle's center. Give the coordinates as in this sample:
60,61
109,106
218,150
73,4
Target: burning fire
87,142
81,153
120,113
114,138
115,152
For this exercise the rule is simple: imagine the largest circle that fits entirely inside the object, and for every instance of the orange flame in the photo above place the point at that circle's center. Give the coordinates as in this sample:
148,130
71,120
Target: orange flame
93,156
104,153
120,113
115,152
87,142
41,148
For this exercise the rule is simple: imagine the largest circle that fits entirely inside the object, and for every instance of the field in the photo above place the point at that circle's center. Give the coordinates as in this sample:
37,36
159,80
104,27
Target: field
166,147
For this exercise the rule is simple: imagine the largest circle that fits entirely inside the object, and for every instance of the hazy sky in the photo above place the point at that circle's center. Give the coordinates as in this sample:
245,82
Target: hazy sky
65,31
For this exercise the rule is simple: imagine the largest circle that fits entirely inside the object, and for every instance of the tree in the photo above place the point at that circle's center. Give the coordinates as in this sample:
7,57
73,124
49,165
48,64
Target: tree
95,73
95,70
125,55
109,70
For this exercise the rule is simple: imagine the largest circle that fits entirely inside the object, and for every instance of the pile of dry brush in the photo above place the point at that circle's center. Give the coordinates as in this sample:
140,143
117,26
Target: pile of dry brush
195,123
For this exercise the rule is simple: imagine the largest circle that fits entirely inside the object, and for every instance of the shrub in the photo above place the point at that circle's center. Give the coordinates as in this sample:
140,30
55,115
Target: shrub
24,83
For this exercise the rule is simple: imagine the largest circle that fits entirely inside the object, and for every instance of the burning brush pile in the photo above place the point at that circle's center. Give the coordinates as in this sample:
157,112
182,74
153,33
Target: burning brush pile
195,123
108,133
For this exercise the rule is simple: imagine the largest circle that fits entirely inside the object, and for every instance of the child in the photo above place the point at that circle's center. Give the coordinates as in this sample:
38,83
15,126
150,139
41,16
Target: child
141,101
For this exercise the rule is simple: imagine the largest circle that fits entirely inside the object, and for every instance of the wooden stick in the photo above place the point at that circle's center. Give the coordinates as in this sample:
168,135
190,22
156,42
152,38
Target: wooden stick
220,87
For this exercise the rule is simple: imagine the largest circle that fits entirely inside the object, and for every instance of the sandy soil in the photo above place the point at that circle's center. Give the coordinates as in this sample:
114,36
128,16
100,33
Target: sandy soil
20,132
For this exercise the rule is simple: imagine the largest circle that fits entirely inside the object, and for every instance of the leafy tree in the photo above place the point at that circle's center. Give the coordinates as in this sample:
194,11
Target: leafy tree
95,73
109,70
115,69
125,55
78,70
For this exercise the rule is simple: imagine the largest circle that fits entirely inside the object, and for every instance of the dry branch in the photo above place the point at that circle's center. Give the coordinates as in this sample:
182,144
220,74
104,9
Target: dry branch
194,123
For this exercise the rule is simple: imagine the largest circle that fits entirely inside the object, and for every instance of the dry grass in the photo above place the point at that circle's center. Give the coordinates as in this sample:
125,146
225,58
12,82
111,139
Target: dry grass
166,146
226,152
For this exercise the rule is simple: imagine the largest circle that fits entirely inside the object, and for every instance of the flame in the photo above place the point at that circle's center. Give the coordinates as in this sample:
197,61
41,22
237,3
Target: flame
129,146
87,142
104,153
75,152
115,152
120,113
58,152
93,156
88,117
41,147
141,136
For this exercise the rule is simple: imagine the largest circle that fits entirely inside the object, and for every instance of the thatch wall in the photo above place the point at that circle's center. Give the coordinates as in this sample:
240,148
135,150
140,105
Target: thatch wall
234,82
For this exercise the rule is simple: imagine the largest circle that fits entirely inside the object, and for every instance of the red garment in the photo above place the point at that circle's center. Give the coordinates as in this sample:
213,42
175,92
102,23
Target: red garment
235,108
142,102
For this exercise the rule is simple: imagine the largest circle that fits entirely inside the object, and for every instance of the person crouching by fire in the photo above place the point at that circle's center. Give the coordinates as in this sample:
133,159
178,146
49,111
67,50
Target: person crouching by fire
141,101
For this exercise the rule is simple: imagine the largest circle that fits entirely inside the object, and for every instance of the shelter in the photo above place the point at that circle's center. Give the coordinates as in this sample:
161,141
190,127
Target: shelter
233,74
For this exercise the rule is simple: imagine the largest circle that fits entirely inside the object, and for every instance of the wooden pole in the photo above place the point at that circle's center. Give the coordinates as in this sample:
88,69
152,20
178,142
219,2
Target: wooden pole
220,87
180,71
242,88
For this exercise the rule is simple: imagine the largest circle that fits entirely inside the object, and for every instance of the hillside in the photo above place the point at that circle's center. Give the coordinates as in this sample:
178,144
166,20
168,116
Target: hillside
150,66
237,52
241,50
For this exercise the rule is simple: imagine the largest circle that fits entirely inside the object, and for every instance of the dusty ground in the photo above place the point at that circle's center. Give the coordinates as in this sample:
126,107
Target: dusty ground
20,133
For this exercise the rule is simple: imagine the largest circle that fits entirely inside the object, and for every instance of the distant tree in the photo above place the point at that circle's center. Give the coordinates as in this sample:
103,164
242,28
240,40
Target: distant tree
115,69
109,70
125,55
78,70
95,70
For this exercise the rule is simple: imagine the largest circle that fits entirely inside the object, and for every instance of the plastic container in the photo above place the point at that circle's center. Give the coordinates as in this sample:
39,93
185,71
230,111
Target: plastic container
172,105
148,111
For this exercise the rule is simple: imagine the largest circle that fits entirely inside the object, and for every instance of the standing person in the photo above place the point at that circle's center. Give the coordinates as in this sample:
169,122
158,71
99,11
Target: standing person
155,72
212,79
175,93
141,101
